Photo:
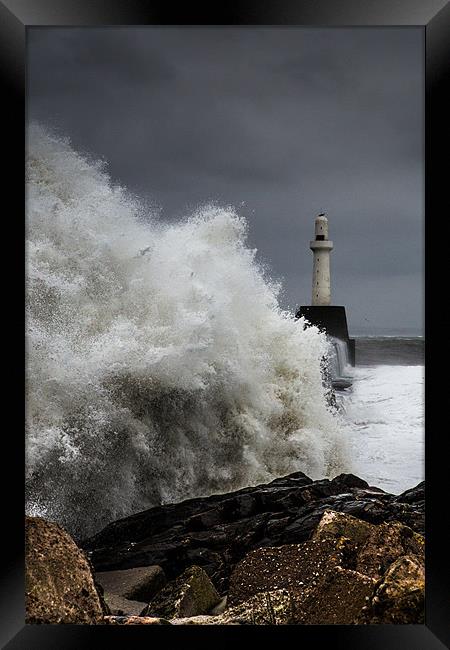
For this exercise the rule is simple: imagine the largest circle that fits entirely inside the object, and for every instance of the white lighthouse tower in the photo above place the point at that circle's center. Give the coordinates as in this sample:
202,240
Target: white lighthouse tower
329,318
321,248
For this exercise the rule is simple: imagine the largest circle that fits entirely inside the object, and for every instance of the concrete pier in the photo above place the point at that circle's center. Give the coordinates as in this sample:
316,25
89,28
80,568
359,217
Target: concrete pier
333,320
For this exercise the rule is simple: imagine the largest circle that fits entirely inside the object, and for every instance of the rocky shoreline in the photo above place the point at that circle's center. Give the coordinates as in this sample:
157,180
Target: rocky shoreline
294,551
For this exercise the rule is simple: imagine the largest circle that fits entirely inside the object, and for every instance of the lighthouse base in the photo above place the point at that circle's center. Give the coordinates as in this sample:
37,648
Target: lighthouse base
331,319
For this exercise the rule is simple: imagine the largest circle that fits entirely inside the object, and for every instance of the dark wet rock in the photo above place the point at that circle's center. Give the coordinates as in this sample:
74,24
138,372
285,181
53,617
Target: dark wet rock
59,583
216,532
399,596
341,384
415,495
140,583
191,594
119,606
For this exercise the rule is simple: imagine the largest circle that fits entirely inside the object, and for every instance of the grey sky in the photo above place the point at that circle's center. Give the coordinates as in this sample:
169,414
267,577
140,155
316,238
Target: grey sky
280,122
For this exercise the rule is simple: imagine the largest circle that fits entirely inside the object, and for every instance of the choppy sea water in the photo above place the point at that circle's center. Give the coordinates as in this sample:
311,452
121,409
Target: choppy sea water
160,365
384,412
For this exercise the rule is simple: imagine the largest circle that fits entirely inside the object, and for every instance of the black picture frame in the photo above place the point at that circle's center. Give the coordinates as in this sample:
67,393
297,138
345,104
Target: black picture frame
16,16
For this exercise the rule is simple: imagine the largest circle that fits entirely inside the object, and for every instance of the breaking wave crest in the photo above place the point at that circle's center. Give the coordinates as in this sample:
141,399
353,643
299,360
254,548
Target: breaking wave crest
159,363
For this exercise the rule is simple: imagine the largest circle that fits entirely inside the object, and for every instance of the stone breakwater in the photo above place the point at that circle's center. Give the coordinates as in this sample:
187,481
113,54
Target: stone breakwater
294,551
217,531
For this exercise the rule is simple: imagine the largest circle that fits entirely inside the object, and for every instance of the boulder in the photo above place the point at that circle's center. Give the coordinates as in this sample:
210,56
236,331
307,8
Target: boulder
372,548
276,607
217,531
332,577
336,524
414,496
139,583
294,567
266,608
386,543
119,606
191,594
59,583
335,600
399,596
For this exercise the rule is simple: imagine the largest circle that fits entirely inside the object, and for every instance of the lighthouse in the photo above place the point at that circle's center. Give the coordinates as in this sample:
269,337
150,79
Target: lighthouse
321,248
329,318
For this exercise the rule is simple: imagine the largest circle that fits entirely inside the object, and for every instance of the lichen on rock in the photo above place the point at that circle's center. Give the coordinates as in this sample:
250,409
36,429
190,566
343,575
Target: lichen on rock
59,586
399,596
291,566
191,594
266,608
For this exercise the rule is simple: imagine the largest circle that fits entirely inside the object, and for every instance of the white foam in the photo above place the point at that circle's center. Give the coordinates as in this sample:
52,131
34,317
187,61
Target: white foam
385,425
159,363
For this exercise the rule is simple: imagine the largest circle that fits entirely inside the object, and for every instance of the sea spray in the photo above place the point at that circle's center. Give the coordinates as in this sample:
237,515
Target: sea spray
159,363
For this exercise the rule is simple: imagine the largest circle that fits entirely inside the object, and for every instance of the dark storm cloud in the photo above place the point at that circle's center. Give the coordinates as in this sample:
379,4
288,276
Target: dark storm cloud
282,123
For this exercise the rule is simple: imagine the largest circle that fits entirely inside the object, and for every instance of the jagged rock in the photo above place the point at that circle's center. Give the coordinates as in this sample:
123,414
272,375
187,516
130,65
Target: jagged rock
415,496
216,532
398,596
191,594
276,607
320,590
336,599
386,543
336,524
373,547
59,583
140,583
266,608
294,567
330,577
119,606
134,620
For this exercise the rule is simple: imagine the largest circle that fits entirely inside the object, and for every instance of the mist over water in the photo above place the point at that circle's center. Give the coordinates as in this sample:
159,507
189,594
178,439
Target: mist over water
159,363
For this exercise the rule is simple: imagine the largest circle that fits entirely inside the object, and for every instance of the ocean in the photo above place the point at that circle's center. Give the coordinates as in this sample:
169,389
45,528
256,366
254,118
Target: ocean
160,365
384,411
